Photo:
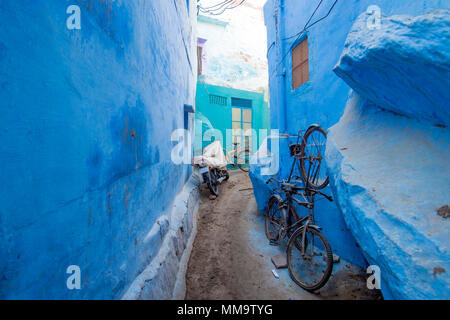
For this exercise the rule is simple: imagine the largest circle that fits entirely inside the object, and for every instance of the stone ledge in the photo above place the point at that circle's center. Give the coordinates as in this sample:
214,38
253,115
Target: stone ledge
388,175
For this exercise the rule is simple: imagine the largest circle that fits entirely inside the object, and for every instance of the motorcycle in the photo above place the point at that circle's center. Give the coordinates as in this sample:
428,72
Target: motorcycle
212,166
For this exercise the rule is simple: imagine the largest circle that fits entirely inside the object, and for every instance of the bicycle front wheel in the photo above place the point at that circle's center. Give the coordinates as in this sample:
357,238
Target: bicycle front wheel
312,152
310,263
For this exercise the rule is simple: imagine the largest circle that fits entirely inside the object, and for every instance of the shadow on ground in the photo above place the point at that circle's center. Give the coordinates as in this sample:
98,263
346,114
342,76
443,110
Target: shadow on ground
231,256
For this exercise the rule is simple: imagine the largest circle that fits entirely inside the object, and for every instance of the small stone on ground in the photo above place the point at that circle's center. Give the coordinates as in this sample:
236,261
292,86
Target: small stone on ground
280,261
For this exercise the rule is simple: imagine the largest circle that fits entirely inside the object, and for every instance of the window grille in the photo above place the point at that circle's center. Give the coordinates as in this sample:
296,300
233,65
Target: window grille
214,99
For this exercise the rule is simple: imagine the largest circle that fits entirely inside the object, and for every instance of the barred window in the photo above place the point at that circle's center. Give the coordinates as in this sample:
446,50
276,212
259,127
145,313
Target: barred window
214,99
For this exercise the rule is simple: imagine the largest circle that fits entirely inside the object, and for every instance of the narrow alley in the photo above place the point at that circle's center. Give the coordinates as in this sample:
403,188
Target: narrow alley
191,150
231,256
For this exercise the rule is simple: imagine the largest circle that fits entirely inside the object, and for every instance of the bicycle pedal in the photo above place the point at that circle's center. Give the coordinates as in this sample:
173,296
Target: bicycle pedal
274,243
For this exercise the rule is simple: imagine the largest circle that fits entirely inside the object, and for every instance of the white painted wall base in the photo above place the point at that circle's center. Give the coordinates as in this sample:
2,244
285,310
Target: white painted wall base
164,277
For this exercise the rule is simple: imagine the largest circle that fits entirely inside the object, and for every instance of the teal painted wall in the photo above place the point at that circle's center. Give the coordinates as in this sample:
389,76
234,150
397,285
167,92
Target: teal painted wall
214,116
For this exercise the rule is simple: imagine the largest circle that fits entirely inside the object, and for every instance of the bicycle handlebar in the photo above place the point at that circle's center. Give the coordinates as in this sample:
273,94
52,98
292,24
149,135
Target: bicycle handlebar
329,198
298,189
272,179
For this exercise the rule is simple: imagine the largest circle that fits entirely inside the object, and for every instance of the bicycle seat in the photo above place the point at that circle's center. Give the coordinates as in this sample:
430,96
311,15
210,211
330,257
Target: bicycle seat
295,149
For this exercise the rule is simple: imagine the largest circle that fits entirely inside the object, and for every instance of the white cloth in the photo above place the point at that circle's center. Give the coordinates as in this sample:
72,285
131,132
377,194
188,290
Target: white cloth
213,156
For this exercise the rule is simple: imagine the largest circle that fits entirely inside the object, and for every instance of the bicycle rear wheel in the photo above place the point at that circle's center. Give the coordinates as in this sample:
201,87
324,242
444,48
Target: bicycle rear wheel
243,160
312,152
311,270
273,218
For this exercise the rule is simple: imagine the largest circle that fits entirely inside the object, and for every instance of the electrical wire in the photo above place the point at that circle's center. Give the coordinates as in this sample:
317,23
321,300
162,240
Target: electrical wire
300,34
221,7
216,7
307,23
270,47
206,8
228,8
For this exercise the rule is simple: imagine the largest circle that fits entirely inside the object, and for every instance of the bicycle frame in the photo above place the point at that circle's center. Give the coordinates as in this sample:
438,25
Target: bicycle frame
308,193
302,232
306,222
289,205
300,134
234,155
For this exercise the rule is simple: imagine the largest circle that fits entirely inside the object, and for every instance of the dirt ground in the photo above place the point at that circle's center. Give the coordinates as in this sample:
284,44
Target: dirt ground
231,257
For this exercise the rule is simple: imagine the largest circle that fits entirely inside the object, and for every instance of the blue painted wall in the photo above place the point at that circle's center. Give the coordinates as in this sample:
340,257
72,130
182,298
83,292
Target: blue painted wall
86,118
323,98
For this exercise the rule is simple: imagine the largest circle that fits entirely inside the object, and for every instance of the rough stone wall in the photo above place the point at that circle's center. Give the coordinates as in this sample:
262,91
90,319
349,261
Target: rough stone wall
388,156
86,119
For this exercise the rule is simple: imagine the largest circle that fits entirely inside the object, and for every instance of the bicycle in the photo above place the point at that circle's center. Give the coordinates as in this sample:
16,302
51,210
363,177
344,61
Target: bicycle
281,212
303,268
241,159
302,156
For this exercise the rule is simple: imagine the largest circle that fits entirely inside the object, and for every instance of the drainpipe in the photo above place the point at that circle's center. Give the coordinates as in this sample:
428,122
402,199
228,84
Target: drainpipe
280,69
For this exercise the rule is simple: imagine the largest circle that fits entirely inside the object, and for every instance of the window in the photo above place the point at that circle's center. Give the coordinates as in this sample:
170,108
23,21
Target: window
300,64
199,60
241,122
201,56
189,119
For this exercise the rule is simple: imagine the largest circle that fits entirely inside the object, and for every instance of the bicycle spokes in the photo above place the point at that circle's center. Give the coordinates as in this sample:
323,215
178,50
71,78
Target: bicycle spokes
309,265
273,222
243,158
312,157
